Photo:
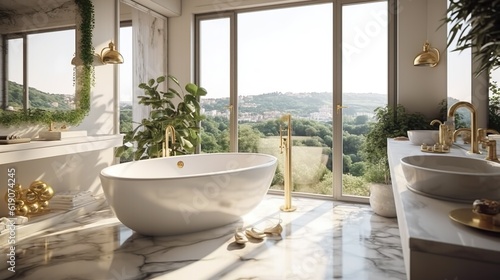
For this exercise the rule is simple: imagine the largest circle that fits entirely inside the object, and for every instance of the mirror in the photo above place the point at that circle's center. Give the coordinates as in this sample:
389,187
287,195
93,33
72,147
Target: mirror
21,22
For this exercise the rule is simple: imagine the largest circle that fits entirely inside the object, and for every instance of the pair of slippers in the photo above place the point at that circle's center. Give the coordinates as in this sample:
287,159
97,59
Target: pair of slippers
241,237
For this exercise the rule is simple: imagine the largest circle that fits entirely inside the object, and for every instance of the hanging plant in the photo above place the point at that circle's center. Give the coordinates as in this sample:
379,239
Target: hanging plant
86,79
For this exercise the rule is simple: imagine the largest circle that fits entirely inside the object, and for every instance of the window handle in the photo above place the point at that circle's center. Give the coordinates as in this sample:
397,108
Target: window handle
340,107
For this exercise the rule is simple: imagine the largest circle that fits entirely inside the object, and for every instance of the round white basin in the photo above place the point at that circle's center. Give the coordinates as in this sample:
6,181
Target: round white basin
452,178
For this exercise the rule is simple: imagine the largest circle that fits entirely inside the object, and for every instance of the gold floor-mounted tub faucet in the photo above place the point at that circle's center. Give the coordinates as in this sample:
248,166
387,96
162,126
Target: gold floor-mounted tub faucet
286,145
169,133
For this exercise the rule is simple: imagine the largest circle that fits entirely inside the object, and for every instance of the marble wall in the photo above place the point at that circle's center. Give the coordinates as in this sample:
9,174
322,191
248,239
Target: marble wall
149,54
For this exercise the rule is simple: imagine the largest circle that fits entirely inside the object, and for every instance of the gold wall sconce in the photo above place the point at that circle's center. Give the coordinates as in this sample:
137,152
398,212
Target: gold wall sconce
428,57
109,55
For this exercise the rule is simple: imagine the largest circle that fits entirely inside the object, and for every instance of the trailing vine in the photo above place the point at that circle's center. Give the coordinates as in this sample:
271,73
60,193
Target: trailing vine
83,86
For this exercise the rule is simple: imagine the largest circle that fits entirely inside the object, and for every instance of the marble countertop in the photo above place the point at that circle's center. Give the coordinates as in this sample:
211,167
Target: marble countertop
425,223
322,239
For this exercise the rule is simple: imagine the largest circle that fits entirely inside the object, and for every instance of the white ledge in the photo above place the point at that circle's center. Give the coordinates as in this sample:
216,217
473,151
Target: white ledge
43,149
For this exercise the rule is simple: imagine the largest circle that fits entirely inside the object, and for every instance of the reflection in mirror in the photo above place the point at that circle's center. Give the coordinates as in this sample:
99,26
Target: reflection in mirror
51,50
48,90
15,69
37,82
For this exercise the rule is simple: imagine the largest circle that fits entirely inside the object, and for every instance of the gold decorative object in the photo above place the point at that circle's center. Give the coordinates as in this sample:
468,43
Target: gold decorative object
33,200
58,127
286,145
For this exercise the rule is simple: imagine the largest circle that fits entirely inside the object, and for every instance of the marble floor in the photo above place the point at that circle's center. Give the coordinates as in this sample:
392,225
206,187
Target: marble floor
321,240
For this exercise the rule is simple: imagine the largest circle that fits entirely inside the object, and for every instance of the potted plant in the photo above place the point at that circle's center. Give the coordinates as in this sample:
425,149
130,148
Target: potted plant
177,108
391,122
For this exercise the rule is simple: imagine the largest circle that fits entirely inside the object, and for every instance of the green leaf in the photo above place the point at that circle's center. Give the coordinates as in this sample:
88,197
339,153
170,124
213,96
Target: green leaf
174,79
120,150
156,114
168,95
175,92
190,107
151,82
160,79
201,92
192,88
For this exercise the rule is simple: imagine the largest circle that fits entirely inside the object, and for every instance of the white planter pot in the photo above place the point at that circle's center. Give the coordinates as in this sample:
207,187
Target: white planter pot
382,200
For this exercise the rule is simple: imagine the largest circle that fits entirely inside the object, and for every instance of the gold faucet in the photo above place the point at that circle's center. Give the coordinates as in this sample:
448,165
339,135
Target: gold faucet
286,144
444,142
169,133
491,145
474,145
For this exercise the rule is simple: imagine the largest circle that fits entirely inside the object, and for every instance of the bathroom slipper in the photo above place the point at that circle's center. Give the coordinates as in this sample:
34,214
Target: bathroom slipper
240,237
255,233
274,230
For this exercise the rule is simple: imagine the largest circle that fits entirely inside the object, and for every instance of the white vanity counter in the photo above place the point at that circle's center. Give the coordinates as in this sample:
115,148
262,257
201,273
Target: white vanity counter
434,246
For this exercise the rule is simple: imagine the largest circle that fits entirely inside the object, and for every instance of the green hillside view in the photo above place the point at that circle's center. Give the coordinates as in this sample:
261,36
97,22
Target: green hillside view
38,99
300,105
312,134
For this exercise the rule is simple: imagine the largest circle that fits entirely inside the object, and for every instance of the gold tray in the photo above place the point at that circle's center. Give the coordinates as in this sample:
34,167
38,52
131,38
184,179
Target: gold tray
465,216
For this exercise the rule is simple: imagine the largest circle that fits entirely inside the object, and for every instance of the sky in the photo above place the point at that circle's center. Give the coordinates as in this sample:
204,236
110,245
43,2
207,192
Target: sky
290,50
284,50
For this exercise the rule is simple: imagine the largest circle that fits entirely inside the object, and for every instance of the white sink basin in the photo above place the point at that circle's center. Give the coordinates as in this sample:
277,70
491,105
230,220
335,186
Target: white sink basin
452,178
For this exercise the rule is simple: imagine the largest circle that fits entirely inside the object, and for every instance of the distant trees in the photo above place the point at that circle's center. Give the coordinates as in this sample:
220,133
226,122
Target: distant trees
125,118
306,133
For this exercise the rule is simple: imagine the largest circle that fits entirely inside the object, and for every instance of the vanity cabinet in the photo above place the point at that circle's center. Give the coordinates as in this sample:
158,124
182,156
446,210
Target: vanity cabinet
434,246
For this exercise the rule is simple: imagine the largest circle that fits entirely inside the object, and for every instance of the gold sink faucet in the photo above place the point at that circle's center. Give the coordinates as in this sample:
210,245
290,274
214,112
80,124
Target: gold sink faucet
491,145
474,144
169,133
444,142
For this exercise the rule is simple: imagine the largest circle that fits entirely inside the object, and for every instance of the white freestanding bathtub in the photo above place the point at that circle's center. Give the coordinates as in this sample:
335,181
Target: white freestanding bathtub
183,194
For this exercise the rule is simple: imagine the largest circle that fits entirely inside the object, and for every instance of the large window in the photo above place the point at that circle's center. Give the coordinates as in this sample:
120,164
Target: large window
259,65
126,85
